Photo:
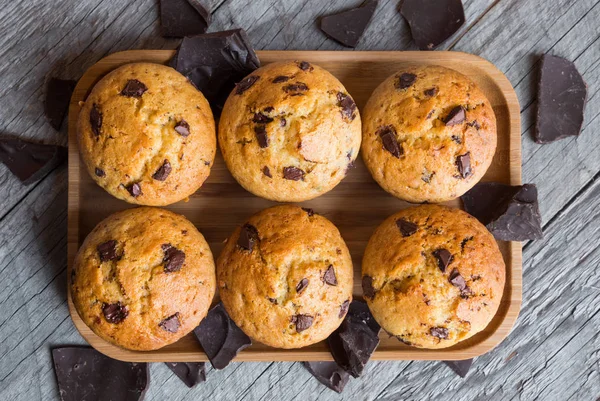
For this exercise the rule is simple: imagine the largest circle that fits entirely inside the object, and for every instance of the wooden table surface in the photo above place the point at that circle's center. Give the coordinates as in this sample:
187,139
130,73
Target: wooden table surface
553,352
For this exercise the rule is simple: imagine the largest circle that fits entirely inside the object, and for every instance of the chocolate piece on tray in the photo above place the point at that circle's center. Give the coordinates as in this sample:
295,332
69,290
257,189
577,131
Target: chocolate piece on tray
179,18
30,161
432,22
328,373
461,368
191,373
348,26
56,102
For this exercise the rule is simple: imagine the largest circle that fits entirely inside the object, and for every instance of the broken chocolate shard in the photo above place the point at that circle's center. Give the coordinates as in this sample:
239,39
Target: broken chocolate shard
432,22
439,332
134,189
367,287
343,308
260,118
134,88
329,276
246,84
261,135
389,140
115,313
266,171
56,101
444,258
248,237
461,368
406,227
82,373
302,322
280,79
405,80
173,258
458,281
293,174
163,171
346,103
301,286
305,66
348,26
171,323
179,18
107,251
463,163
191,373
561,99
220,337
30,161
329,374
455,116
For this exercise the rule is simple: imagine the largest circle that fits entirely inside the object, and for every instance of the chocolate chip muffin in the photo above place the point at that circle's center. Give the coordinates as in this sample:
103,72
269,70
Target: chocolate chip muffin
289,131
432,276
285,277
146,135
429,134
143,278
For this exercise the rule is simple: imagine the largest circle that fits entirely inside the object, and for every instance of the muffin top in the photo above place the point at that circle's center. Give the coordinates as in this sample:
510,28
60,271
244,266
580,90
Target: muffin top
285,277
143,278
289,131
146,135
432,276
429,134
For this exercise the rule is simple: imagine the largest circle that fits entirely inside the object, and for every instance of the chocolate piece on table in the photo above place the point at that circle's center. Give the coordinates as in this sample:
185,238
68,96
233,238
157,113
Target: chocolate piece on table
84,374
56,102
191,373
348,26
561,98
432,22
461,368
220,338
328,373
353,343
511,213
179,18
30,161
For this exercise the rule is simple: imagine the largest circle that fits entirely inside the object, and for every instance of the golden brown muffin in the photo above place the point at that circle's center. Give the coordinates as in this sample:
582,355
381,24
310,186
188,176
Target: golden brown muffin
285,277
289,131
146,135
143,278
429,134
432,276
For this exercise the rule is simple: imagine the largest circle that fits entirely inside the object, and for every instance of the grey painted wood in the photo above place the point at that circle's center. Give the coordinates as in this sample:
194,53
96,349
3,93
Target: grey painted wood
553,352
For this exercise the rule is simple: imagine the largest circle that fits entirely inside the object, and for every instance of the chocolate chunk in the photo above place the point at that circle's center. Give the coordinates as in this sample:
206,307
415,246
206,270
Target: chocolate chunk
390,142
301,285
461,368
431,92
302,322
115,313
406,227
347,105
282,122
248,237
280,79
163,171
458,281
82,374
261,135
269,109
260,118
96,119
353,343
463,163
182,128
329,374
191,373
439,332
107,250
30,161
444,258
134,88
561,99
305,66
293,173
171,323
296,89
267,172
406,80
329,276
432,22
134,189
426,175
99,172
220,338
344,308
455,116
246,84
179,18
273,301
511,213
348,26
367,287
173,258
56,101
309,211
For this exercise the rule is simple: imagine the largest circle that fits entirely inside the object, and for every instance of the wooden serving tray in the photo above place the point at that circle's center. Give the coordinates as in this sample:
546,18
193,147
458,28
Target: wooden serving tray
356,206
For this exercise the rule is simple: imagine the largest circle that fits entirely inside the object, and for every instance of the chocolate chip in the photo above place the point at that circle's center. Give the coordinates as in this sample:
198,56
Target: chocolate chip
432,22
457,139
296,89
455,116
293,174
173,258
30,161
248,237
273,301
179,18
171,323
96,119
461,368
182,128
305,66
474,124
348,26
444,258
134,189
261,136
463,163
347,105
367,287
329,276
134,88
426,176
191,373
260,118
329,374
344,308
390,142
458,281
99,172
56,101
309,211
406,227
439,332
267,172
280,79
163,171
282,122
406,80
269,109
301,285
107,250
245,84
115,313
431,92
302,322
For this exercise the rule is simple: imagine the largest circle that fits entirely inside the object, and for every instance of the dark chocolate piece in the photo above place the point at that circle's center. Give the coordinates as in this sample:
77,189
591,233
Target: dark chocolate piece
367,287
261,135
260,118
432,22
182,128
179,18
267,172
56,101
346,103
220,338
280,79
99,172
246,84
406,227
329,374
305,66
134,88
248,237
107,250
296,89
561,98
511,213
171,323
96,119
458,281
343,308
282,122
444,258
163,171
431,92
84,374
302,322
309,211
439,332
461,368
30,161
348,26
115,313
389,140
405,80
329,276
301,285
293,173
463,163
191,373
134,189
455,116
173,258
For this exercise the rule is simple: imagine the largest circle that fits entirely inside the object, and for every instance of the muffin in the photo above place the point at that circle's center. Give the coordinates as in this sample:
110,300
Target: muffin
143,278
429,134
285,277
146,135
289,131
432,276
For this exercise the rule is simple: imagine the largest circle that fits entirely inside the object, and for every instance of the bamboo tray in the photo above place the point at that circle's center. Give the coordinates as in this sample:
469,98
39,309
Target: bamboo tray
356,206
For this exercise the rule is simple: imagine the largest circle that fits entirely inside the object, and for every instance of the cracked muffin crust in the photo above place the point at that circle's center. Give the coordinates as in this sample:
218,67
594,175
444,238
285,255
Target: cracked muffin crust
289,131
432,276
146,135
143,278
429,134
285,277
